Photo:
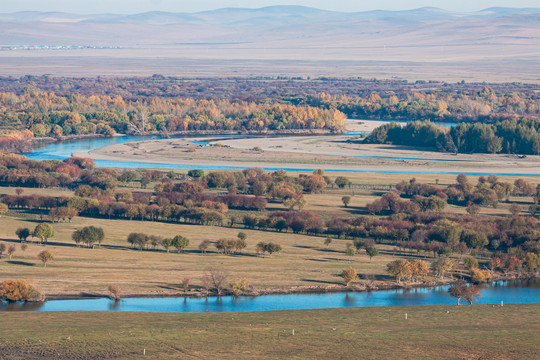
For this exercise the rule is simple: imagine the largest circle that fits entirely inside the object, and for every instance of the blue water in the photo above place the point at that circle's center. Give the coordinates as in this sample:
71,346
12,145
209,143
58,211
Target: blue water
63,150
522,292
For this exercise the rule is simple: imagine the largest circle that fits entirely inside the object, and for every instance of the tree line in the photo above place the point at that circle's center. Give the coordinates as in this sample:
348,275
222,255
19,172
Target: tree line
509,136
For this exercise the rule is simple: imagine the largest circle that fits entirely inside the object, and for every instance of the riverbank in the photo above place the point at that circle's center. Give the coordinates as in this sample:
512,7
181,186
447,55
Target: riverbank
334,153
358,287
428,332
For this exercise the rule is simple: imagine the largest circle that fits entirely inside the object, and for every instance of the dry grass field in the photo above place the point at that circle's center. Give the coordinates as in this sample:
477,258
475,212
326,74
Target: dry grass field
430,332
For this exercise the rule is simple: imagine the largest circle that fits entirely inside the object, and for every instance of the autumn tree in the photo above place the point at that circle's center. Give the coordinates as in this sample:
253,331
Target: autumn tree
463,291
204,245
3,209
114,292
399,269
346,200
239,286
185,284
19,290
418,269
45,256
349,275
10,250
442,265
515,209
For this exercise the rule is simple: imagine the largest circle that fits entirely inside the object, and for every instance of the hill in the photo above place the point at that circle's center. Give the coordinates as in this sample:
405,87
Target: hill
496,42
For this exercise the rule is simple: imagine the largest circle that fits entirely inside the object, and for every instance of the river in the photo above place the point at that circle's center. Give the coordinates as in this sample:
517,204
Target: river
63,150
522,291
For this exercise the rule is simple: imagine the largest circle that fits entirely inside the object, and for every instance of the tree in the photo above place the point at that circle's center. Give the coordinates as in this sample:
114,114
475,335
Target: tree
22,234
19,290
442,266
167,243
217,278
461,290
180,242
204,245
342,181
470,263
269,248
346,200
43,231
115,292
10,250
327,241
349,251
89,235
240,244
3,209
419,269
473,209
138,239
372,251
45,256
457,290
515,209
272,248
349,275
399,269
474,239
238,286
241,235
185,284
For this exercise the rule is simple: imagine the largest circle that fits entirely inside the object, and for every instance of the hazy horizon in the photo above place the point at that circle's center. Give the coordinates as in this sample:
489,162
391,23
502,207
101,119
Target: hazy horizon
140,6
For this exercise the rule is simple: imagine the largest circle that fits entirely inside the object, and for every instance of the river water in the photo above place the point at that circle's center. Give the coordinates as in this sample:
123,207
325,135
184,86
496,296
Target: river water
522,292
63,150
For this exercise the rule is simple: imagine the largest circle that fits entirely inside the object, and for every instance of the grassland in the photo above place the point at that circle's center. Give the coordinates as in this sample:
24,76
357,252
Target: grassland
430,332
305,261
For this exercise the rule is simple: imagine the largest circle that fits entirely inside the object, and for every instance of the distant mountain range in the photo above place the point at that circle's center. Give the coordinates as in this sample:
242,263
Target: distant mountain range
294,24
426,43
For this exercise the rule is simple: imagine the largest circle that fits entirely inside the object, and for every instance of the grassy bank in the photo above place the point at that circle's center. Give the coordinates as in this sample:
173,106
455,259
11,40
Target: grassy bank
441,332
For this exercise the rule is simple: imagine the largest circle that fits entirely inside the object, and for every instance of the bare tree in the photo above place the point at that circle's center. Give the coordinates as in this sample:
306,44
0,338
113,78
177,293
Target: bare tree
115,292
218,278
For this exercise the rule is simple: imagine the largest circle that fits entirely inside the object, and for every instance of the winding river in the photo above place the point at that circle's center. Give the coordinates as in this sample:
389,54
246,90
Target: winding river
522,292
63,150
